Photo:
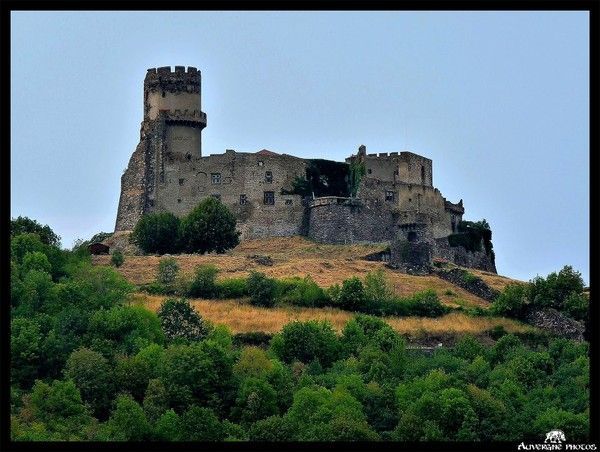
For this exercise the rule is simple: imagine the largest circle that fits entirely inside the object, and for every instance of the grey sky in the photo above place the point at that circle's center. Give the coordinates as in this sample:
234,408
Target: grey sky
499,101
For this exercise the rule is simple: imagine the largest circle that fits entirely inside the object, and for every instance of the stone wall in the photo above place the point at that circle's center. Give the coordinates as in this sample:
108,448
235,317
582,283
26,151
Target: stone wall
349,220
470,283
460,256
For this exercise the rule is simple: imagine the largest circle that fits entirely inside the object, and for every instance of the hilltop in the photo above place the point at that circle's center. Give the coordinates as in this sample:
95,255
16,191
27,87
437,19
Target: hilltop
327,265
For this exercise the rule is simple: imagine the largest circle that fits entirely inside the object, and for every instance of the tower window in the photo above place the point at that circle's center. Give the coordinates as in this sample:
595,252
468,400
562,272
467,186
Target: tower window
269,177
216,196
215,178
390,196
422,175
243,200
269,198
289,202
369,171
260,163
181,181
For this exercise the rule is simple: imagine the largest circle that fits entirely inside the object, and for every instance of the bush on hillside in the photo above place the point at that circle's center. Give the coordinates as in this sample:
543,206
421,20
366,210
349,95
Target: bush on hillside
262,290
157,233
209,227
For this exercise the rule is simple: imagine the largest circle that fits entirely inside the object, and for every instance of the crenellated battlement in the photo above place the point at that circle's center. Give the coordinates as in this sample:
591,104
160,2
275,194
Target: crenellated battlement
179,80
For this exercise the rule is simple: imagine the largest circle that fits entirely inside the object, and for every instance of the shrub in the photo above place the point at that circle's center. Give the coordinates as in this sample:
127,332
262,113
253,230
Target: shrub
302,292
512,301
262,290
180,320
117,259
154,288
377,288
232,288
352,295
203,285
209,227
425,304
168,268
157,233
307,341
25,225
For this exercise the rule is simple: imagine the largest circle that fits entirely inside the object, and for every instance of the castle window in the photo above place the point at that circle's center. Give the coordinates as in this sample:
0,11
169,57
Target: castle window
216,196
396,172
188,156
260,163
269,198
390,196
289,202
181,181
412,236
269,177
369,171
243,200
422,175
179,201
215,178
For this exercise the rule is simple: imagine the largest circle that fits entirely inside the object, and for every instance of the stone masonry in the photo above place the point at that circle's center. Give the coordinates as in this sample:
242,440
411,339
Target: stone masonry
168,172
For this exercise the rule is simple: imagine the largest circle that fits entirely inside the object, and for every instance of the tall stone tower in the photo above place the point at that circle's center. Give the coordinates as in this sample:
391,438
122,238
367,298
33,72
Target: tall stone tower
171,129
175,97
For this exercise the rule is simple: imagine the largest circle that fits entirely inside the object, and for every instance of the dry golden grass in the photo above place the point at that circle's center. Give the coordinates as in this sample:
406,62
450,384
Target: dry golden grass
241,317
497,282
298,256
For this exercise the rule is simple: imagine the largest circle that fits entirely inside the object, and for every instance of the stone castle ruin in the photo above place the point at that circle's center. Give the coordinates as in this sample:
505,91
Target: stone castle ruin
385,197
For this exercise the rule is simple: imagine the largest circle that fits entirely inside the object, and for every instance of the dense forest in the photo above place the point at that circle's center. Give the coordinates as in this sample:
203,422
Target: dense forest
87,365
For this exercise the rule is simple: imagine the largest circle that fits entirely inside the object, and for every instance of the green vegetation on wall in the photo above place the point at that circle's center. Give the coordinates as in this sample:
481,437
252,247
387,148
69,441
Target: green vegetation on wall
471,235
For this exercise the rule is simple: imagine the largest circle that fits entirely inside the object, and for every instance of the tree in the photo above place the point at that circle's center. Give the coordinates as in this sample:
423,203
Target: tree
157,233
209,227
24,225
262,290
91,373
156,400
256,400
167,271
180,321
352,296
117,258
203,285
25,341
201,424
168,427
128,421
307,341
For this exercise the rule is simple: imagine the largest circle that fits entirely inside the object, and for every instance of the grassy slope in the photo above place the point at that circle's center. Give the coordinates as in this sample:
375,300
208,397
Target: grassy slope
326,264
297,256
242,317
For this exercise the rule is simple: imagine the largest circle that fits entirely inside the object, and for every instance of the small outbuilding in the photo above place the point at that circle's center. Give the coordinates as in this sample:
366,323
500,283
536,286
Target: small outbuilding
98,248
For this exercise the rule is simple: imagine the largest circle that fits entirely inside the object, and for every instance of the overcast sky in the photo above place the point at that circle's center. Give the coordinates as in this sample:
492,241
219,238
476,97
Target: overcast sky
498,101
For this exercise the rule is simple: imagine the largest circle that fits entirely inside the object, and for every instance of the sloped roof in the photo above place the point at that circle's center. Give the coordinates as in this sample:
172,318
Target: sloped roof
266,152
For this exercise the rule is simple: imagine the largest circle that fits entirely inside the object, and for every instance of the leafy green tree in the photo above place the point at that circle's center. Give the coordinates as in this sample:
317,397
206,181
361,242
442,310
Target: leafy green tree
262,290
256,400
512,301
100,286
352,296
25,225
209,227
575,426
168,269
307,341
198,373
92,375
25,341
35,260
128,422
157,233
156,399
180,321
124,329
273,428
203,285
201,424
253,362
168,427
117,258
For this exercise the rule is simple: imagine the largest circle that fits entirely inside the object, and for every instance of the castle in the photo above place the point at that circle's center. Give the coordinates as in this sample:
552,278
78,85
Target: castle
385,197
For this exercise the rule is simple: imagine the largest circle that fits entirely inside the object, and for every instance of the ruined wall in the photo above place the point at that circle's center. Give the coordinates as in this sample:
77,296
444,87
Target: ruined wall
346,220
460,256
240,181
